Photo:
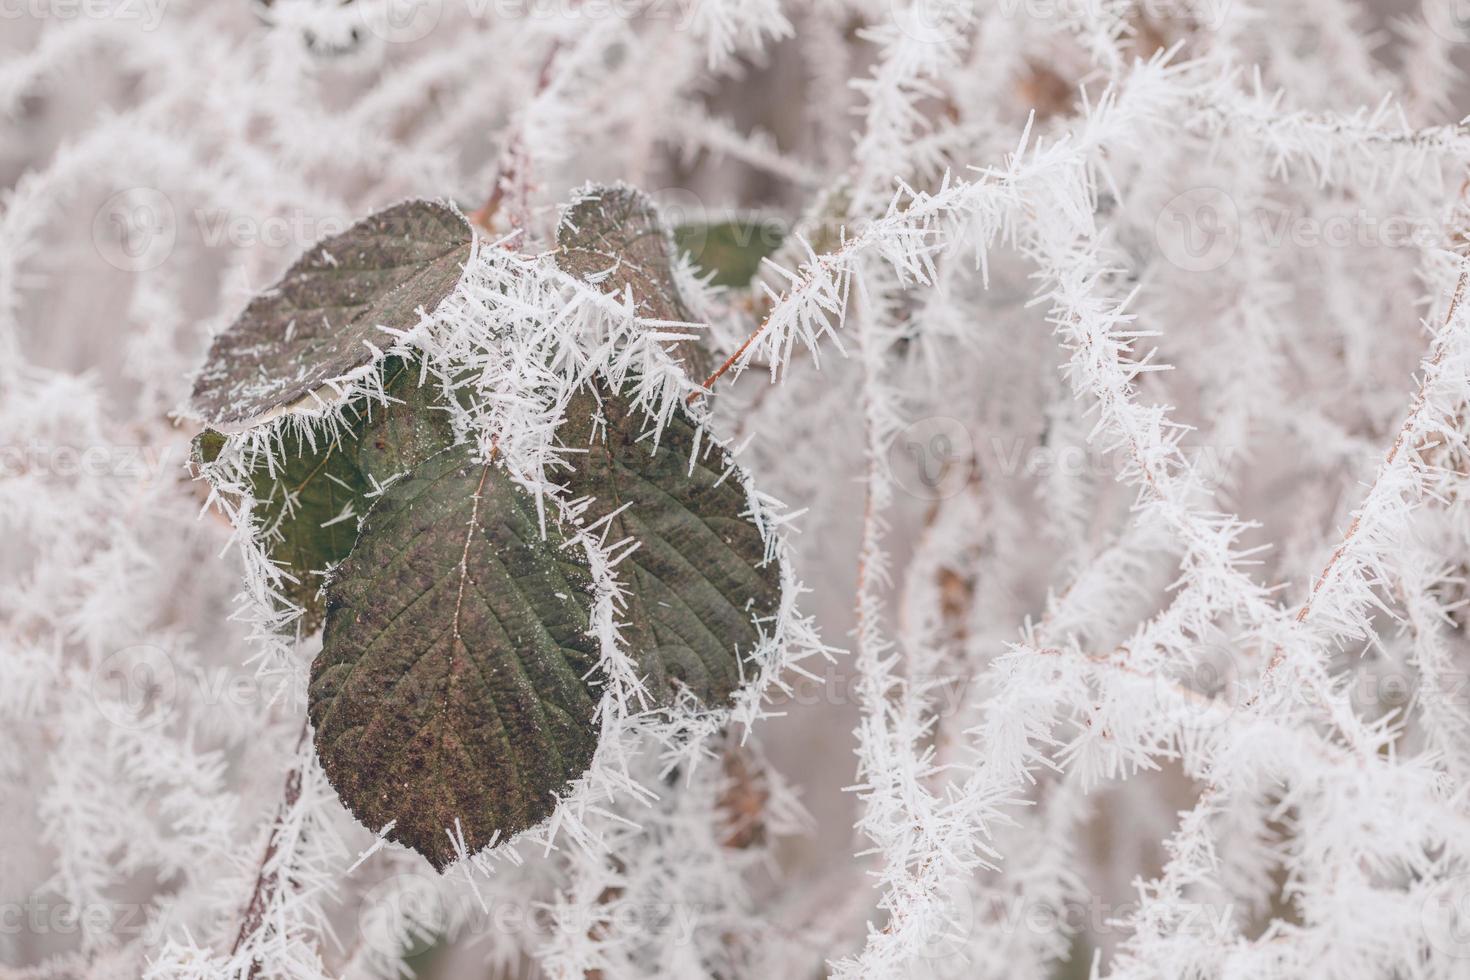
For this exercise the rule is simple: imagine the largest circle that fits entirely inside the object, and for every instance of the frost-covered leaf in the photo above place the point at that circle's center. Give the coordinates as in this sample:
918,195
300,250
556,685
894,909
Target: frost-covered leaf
612,238
311,499
453,683
207,447
732,250
316,324
698,578
309,506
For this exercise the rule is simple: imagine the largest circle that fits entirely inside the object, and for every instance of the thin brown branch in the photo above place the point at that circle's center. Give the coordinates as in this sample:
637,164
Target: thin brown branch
512,185
1398,443
265,879
707,385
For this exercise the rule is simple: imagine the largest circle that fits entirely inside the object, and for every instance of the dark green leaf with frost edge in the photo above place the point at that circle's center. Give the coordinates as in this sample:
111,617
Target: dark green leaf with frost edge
453,681
315,324
732,250
612,238
310,503
698,580
207,447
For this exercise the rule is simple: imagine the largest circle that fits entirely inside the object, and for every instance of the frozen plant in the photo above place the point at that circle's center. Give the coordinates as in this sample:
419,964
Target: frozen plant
720,488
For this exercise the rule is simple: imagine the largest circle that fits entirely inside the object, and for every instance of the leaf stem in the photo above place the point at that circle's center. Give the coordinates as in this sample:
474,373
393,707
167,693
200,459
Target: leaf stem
265,880
708,383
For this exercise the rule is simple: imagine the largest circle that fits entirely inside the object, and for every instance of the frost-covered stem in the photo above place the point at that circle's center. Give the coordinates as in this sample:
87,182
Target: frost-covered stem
1410,428
267,876
511,186
1383,511
895,764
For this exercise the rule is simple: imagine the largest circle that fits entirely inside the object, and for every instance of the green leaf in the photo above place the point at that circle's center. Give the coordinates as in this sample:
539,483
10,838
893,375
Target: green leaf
453,682
207,447
612,238
732,250
310,503
315,325
698,578
308,512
